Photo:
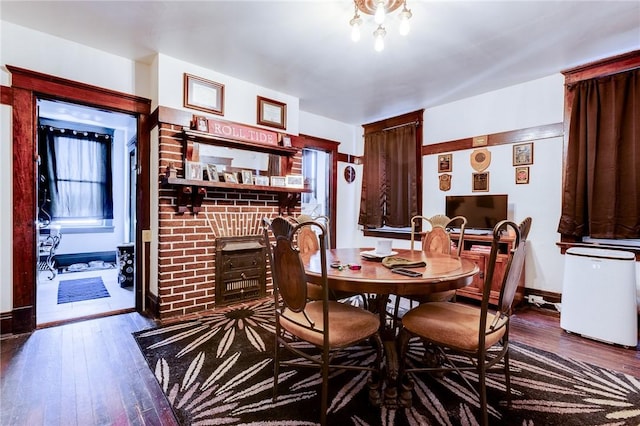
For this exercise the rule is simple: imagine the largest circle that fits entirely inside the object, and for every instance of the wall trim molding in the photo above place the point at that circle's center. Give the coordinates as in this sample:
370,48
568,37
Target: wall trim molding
504,138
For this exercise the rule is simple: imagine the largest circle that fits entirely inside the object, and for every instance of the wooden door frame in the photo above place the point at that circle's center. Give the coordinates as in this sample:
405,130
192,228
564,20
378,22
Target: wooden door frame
331,148
27,86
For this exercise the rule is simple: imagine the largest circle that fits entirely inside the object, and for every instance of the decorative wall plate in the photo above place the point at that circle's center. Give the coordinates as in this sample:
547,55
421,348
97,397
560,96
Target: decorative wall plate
349,174
480,159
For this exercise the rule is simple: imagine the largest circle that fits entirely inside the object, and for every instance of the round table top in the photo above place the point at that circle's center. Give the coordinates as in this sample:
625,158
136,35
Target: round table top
443,272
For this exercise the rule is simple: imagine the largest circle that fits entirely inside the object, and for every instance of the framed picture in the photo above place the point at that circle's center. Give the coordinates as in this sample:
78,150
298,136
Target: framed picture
522,175
444,163
200,123
212,173
230,177
262,180
278,181
192,170
294,181
523,154
272,113
247,177
480,182
203,95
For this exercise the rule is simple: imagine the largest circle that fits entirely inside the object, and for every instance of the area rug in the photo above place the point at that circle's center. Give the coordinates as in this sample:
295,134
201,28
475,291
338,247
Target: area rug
219,370
81,289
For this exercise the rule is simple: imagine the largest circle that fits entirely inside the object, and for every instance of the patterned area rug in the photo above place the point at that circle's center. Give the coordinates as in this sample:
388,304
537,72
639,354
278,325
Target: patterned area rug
81,289
219,370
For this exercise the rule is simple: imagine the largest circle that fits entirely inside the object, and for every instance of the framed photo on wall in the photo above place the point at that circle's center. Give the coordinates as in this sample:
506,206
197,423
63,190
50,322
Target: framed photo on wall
444,163
480,182
522,175
523,154
272,113
203,95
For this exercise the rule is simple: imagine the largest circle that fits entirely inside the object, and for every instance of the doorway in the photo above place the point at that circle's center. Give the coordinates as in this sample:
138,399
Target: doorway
26,87
85,221
319,164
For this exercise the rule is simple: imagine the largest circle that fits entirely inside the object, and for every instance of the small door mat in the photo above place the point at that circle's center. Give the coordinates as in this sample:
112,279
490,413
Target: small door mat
81,289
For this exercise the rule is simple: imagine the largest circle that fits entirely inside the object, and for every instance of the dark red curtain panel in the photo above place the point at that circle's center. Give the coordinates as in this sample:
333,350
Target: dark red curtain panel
389,189
601,195
372,197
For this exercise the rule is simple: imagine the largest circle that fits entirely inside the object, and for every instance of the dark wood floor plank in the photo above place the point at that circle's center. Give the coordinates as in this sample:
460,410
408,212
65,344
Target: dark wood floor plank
93,372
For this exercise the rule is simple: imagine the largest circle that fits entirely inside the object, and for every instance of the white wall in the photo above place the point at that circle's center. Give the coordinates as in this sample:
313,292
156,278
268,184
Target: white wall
6,193
530,104
40,52
348,195
240,97
534,103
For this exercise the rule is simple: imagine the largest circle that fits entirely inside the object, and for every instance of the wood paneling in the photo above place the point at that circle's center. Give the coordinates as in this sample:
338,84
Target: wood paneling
503,138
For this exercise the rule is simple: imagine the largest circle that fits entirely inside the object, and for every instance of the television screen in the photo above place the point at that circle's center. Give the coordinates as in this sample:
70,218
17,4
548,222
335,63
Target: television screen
481,211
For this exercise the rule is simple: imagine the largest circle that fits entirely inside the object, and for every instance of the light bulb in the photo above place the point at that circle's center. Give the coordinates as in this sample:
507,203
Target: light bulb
379,38
355,28
405,26
380,12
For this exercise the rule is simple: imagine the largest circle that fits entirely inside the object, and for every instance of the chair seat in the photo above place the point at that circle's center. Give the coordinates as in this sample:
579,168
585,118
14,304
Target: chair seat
450,324
347,324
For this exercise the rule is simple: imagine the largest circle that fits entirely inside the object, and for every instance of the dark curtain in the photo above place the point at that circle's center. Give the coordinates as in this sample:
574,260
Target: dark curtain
75,174
389,186
601,196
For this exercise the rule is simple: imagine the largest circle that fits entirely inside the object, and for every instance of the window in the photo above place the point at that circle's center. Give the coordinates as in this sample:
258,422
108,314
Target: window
75,185
392,174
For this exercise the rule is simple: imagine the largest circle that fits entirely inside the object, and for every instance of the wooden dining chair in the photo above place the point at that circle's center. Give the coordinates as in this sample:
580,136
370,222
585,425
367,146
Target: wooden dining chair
437,240
308,242
325,324
470,330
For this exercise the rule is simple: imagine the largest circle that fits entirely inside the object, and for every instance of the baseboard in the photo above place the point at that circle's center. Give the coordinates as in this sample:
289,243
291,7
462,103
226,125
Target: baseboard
153,306
548,296
63,260
6,323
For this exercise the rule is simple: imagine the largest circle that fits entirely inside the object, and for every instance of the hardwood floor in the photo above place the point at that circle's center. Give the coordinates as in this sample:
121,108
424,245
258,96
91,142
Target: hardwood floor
92,372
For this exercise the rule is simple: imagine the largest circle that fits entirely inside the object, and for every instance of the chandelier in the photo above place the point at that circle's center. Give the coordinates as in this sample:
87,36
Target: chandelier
379,9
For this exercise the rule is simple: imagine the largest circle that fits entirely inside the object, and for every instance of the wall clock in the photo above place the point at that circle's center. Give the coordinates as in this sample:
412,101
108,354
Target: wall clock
349,174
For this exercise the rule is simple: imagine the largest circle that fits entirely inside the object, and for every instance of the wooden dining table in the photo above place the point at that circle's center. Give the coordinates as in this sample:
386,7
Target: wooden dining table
366,275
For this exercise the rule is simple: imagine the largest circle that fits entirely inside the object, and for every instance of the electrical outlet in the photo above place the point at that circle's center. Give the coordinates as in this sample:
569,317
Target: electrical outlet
536,300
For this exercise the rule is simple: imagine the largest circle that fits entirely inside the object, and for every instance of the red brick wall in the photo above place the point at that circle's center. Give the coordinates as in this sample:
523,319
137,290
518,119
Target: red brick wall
186,242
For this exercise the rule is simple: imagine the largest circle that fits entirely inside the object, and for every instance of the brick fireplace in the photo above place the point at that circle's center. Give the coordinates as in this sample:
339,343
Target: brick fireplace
187,249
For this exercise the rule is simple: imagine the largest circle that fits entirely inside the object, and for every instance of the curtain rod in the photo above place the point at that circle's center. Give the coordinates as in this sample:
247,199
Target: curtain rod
414,123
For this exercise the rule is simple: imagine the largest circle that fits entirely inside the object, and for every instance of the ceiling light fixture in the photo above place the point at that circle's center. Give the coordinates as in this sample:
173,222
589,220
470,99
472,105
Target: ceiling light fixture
379,9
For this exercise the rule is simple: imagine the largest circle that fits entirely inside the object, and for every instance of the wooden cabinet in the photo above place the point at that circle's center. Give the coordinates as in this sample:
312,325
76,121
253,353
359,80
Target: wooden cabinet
477,248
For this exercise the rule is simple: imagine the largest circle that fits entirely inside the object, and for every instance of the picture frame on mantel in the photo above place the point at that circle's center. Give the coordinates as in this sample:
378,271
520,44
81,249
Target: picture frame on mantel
272,113
203,95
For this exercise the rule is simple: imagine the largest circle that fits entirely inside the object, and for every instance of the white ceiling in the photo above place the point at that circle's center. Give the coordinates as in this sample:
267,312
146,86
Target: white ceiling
455,49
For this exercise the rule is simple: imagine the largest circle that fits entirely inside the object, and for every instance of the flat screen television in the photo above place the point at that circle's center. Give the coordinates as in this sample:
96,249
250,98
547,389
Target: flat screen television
481,211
